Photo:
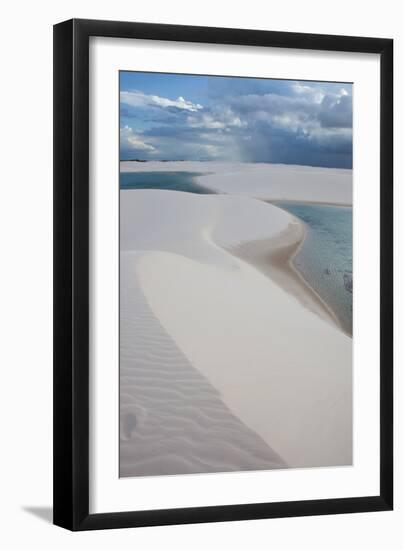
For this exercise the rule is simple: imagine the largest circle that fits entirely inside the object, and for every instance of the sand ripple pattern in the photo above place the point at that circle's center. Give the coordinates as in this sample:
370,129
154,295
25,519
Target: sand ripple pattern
172,420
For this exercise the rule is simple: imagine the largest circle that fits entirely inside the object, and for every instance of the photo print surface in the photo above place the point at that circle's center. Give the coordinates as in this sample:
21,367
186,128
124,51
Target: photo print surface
236,274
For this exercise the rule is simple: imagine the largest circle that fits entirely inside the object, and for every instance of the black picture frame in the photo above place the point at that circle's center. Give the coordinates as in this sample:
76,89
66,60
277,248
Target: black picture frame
71,274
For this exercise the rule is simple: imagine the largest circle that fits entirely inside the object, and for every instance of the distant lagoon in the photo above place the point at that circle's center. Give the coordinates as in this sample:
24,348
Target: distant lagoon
325,257
174,181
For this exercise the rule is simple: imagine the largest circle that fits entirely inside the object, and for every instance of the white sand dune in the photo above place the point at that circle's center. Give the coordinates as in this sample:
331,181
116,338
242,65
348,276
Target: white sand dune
226,337
172,420
272,182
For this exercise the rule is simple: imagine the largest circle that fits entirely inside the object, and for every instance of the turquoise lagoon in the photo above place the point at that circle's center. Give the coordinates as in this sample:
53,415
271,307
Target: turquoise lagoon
325,258
173,181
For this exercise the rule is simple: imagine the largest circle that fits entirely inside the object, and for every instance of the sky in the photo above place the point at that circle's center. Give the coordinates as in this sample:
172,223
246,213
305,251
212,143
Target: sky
190,117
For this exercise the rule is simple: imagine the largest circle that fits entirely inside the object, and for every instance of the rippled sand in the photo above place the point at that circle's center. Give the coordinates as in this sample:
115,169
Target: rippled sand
172,420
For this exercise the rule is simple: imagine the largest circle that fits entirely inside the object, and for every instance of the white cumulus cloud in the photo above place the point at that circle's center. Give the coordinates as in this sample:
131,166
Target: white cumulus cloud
218,119
130,140
136,98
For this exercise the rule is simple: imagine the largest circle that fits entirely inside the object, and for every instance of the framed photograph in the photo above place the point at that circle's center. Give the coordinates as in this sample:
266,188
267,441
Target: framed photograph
223,203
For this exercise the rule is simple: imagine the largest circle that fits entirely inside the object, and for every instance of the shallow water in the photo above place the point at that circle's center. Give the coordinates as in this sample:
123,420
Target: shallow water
326,256
173,181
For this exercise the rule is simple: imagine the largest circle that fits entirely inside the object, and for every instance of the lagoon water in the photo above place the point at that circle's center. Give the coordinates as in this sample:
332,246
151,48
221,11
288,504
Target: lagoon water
325,258
174,181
